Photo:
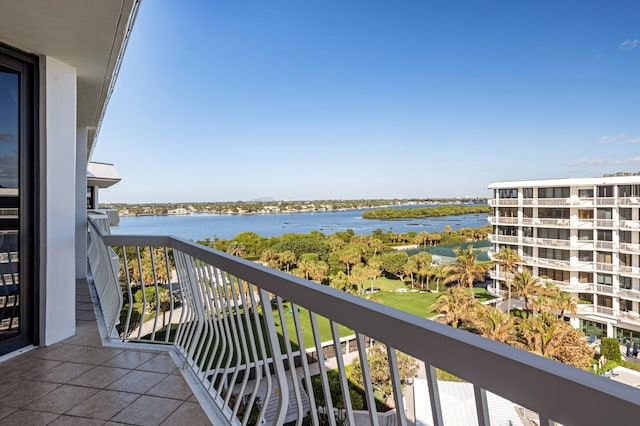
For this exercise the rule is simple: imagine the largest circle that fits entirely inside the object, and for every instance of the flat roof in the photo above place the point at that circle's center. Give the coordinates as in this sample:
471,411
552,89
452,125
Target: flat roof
604,180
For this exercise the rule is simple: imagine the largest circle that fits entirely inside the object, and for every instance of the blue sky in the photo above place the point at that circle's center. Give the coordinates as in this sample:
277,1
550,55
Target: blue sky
302,100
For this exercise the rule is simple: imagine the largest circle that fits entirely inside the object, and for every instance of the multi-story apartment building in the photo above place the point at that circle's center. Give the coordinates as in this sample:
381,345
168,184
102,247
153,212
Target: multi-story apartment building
583,234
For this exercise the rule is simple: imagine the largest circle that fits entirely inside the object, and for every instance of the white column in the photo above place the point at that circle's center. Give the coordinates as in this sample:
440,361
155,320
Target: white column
58,112
81,203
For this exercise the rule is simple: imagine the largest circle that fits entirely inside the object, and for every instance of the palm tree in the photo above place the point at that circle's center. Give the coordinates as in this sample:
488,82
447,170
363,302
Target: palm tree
455,307
527,286
508,259
496,325
466,269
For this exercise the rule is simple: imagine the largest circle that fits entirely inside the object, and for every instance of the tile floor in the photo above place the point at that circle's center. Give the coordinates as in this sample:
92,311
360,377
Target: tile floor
81,382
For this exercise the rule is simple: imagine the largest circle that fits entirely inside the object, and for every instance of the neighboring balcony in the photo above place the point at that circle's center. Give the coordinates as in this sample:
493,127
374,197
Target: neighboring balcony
251,340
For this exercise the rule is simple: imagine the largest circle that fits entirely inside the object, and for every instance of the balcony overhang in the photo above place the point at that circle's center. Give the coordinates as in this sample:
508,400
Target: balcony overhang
89,35
102,175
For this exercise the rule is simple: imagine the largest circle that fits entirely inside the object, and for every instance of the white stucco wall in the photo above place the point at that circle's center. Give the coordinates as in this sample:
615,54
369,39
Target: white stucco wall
58,200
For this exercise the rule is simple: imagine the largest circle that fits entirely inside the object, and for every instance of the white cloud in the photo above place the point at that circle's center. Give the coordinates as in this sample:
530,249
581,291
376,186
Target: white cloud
629,44
610,139
599,162
634,140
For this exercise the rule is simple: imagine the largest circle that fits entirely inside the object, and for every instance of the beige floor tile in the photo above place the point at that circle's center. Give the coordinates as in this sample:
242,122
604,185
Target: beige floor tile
148,411
188,413
25,368
24,392
59,352
137,381
64,372
171,387
99,377
97,356
103,405
27,417
160,364
130,359
61,399
75,421
5,411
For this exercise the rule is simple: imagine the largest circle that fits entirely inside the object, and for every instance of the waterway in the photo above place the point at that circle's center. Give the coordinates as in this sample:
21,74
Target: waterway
200,226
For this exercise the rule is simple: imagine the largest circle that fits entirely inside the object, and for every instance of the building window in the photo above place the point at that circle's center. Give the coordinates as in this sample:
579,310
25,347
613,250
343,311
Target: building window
604,257
605,235
585,235
605,191
508,193
527,192
625,237
556,254
554,233
626,214
605,214
585,193
626,283
585,214
592,328
585,277
558,192
508,212
527,251
554,213
554,274
625,259
527,212
585,256
605,279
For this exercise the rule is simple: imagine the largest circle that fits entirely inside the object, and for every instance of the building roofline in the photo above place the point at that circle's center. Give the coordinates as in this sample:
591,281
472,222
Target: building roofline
604,180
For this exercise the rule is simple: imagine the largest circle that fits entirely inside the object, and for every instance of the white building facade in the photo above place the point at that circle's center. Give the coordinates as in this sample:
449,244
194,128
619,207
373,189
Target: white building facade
583,234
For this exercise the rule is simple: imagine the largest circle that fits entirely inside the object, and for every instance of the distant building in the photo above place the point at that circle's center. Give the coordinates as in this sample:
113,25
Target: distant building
582,234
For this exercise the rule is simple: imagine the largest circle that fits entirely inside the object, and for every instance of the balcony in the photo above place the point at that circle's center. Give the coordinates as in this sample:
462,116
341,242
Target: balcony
629,201
503,202
632,271
226,317
630,225
503,220
503,239
630,247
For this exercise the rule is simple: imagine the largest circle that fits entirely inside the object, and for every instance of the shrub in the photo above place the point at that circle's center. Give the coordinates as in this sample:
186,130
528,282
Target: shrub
610,349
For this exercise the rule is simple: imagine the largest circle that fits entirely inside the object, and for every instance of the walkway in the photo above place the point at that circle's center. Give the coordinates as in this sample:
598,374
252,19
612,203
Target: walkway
81,382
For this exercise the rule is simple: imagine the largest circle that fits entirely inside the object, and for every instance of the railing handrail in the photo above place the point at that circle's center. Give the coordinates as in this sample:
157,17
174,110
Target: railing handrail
550,386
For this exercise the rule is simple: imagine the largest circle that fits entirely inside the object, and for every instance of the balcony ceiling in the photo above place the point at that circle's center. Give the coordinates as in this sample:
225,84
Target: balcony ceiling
86,34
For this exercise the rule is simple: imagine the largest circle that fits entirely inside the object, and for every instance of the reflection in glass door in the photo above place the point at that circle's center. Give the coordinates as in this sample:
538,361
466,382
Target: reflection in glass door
16,210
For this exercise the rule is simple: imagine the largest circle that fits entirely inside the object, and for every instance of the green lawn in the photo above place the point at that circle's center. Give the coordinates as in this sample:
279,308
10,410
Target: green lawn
417,303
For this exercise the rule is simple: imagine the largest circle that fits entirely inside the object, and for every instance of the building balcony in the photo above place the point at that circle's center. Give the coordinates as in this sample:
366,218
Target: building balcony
630,225
631,271
547,263
605,223
503,239
606,201
629,201
630,247
630,294
598,311
503,202
502,220
247,339
545,242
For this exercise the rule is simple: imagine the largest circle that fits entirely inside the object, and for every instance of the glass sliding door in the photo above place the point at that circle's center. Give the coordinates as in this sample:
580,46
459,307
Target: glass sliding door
17,231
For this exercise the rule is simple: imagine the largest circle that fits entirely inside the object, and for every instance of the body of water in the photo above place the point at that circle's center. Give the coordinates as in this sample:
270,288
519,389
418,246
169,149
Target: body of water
201,226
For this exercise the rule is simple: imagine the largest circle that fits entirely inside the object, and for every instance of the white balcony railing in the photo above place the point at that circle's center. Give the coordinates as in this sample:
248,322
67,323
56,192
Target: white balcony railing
503,220
503,202
504,239
629,201
631,247
225,317
631,225
633,271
